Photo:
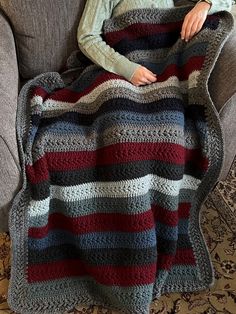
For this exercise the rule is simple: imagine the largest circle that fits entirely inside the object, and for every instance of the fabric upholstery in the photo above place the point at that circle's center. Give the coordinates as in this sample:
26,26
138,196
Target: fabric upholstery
222,84
9,161
222,87
9,174
227,115
44,43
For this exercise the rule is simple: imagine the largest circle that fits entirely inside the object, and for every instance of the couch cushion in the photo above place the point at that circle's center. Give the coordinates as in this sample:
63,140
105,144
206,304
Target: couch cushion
45,32
222,82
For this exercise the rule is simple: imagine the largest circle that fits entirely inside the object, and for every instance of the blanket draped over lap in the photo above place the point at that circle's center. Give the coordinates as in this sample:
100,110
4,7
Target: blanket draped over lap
115,175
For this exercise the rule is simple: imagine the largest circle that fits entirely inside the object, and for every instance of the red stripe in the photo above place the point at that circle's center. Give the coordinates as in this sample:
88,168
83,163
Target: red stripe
184,210
169,217
111,222
39,91
38,172
135,31
182,72
185,256
112,154
107,275
99,222
194,63
182,257
120,153
67,95
145,29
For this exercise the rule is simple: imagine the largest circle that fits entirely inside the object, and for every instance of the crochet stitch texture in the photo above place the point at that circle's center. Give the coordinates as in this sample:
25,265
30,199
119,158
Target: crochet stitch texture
115,175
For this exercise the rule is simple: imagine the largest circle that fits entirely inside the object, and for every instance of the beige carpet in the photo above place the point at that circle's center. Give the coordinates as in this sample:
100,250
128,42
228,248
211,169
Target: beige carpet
218,220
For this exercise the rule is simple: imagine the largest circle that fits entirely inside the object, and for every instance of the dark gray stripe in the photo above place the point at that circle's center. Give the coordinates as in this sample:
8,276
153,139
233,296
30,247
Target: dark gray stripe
125,171
150,15
111,256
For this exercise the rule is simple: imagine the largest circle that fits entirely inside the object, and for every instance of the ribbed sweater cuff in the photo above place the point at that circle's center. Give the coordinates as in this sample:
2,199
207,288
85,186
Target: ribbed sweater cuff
216,7
125,67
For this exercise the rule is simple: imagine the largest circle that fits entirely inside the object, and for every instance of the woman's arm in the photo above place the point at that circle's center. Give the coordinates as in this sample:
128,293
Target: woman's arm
195,19
92,44
95,48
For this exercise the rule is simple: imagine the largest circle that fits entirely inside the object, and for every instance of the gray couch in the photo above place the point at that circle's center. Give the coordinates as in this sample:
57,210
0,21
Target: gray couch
38,36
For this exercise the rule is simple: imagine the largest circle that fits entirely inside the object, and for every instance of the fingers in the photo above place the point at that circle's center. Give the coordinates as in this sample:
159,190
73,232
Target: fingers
189,30
184,28
149,77
143,76
193,22
146,77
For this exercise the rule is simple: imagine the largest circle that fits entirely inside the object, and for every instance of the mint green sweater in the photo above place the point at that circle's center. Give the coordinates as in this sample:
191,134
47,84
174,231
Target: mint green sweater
90,29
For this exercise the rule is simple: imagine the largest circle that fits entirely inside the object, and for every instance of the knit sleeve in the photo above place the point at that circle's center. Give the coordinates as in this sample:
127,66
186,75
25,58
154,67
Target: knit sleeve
220,5
92,44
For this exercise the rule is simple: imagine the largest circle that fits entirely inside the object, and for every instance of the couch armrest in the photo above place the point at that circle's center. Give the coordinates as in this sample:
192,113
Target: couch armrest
222,87
9,85
222,82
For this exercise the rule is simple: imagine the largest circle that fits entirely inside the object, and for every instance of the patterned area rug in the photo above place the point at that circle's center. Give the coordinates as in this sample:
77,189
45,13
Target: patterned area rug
218,221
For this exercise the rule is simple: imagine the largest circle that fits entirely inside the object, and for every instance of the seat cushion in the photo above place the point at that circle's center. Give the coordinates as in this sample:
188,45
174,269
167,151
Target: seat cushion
45,32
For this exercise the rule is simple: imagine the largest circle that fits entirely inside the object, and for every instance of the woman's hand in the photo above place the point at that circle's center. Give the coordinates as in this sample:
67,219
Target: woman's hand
143,76
194,20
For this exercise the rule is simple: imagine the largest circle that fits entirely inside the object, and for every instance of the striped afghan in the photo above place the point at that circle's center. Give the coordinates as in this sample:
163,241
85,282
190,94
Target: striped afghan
114,175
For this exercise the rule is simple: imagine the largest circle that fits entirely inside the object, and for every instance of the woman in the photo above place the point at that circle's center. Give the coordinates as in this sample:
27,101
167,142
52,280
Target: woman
94,47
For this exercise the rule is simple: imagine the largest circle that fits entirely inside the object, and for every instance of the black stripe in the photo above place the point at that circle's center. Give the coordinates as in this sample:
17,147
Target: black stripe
151,42
117,172
112,105
169,246
111,256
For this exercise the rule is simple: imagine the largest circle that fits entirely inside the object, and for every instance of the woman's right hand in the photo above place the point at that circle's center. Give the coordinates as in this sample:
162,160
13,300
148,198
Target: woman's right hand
143,76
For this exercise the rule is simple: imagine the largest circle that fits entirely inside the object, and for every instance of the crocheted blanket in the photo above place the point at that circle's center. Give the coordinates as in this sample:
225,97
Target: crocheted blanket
114,175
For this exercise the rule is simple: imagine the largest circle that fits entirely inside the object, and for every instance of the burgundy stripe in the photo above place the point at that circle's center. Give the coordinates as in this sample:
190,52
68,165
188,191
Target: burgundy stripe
181,257
135,31
194,63
67,95
107,275
116,153
99,222
38,172
169,217
110,275
39,91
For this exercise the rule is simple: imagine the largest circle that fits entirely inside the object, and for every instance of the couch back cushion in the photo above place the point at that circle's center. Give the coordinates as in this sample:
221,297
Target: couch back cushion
45,32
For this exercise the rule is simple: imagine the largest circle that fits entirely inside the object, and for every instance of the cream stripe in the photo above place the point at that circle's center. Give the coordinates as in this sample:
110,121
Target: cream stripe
126,189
